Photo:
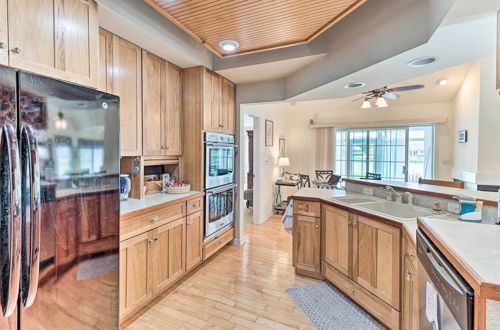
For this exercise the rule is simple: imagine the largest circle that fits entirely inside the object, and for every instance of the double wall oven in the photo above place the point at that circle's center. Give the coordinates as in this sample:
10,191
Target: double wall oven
219,182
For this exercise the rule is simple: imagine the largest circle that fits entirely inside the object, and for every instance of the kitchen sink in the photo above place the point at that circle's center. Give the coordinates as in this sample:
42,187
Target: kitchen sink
400,211
355,199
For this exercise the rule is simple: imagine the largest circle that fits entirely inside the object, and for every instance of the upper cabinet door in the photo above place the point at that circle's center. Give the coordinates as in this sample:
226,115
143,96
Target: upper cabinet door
211,101
32,35
153,112
4,34
377,248
127,85
56,38
105,60
228,107
76,40
172,130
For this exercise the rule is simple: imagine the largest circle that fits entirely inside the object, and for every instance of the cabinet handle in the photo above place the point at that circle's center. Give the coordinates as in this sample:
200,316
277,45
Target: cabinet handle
189,223
153,240
165,147
16,50
410,254
409,273
2,45
155,218
317,226
349,222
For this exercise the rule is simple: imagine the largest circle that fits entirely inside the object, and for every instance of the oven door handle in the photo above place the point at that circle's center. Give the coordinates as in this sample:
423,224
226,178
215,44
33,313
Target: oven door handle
218,190
226,145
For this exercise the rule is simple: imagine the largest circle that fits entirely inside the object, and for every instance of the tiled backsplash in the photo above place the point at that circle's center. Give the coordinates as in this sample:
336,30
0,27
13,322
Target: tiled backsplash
489,212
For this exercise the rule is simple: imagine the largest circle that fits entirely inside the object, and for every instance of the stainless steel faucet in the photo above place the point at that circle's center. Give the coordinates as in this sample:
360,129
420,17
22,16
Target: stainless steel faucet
392,193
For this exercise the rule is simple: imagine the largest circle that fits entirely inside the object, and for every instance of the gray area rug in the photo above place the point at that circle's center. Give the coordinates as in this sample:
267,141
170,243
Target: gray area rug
328,308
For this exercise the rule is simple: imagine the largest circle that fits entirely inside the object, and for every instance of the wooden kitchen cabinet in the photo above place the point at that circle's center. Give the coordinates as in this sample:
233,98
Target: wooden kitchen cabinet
135,281
194,240
211,101
127,84
306,245
4,34
161,107
105,61
409,308
40,39
228,107
337,239
376,259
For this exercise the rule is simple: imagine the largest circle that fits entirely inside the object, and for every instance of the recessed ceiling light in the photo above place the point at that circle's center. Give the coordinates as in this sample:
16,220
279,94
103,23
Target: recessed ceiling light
423,61
354,85
442,82
229,45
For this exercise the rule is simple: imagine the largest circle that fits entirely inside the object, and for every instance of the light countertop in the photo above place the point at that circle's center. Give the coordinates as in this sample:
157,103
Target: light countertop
475,246
133,204
488,196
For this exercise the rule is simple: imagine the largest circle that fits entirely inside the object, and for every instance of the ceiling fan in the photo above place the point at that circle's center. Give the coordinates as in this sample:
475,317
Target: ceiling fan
380,94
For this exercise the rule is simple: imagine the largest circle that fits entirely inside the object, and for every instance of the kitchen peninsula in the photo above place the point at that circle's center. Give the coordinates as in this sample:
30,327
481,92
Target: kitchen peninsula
366,246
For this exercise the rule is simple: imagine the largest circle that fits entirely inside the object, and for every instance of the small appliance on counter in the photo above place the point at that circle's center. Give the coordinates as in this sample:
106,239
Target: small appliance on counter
470,209
125,186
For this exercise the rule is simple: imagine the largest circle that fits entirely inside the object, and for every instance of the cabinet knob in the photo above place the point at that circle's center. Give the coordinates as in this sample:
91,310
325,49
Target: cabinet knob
189,223
16,50
410,254
155,218
349,222
165,147
317,226
409,273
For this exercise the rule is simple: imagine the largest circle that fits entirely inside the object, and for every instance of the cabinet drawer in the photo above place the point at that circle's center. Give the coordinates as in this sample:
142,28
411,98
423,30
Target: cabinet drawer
217,243
336,210
194,205
376,307
311,209
147,221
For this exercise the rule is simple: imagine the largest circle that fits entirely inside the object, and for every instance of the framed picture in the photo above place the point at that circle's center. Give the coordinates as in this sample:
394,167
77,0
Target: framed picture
269,133
462,136
282,147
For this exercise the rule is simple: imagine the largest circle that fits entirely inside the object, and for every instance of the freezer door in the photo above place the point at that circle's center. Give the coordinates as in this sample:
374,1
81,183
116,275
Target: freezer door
8,118
70,253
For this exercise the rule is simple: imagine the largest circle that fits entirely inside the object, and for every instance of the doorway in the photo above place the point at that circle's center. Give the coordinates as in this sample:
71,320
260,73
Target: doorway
249,184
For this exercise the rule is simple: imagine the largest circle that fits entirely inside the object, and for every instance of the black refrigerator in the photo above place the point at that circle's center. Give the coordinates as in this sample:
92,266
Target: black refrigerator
59,198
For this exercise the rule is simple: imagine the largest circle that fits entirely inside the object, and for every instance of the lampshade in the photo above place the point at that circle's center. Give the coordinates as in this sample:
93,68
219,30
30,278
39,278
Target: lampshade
284,161
381,102
366,104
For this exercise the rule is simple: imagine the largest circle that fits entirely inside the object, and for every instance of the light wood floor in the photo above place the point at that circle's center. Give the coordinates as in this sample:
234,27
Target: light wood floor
242,287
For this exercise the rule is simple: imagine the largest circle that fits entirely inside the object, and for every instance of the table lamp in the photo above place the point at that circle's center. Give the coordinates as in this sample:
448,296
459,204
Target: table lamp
284,162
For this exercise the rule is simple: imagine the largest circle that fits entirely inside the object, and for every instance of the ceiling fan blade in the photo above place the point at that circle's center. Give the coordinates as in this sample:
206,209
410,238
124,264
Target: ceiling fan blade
359,98
406,88
391,96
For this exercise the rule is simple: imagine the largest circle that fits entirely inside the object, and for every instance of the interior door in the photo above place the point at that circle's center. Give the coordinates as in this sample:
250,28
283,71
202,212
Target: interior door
172,129
376,253
337,239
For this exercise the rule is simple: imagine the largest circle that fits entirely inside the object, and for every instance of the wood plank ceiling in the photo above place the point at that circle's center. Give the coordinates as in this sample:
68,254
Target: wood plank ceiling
257,25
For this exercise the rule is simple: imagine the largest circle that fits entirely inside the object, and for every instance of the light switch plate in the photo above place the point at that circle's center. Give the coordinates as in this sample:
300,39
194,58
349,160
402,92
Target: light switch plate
368,191
453,208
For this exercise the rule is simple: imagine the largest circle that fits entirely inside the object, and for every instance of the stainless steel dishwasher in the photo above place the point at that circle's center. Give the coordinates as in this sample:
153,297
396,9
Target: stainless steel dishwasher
446,301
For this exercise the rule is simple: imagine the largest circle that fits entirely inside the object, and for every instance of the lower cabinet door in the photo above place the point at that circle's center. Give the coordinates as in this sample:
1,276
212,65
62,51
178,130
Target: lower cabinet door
134,283
410,298
376,259
194,240
177,248
306,244
337,239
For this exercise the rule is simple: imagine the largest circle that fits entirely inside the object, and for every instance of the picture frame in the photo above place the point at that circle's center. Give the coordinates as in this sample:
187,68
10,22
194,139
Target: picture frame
269,129
282,147
462,136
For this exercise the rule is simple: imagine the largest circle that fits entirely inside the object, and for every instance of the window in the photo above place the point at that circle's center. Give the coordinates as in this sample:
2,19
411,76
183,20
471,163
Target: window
91,154
398,154
63,157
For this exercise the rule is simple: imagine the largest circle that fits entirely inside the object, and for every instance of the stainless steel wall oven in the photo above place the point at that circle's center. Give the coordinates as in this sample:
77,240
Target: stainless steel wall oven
219,209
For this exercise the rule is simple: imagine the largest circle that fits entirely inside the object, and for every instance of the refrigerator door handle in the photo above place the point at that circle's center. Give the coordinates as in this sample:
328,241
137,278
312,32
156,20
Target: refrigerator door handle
31,243
10,171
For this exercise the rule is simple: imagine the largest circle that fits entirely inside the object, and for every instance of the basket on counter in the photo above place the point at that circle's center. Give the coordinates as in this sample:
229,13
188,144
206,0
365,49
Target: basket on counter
178,190
153,187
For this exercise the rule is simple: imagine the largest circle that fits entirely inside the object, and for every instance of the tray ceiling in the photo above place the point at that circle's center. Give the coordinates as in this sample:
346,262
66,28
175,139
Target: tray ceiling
257,25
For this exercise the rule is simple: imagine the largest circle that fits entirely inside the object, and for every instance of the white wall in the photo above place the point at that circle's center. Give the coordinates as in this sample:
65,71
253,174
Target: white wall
477,109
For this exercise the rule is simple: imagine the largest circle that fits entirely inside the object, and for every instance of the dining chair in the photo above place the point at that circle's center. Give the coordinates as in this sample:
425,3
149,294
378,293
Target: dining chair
304,181
323,175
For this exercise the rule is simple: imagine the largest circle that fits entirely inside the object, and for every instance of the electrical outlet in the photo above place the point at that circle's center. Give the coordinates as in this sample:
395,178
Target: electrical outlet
453,208
368,191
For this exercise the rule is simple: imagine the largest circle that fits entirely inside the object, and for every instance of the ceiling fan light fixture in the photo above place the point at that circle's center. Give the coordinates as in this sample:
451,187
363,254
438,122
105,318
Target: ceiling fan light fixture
442,82
422,61
381,102
366,104
354,85
229,45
